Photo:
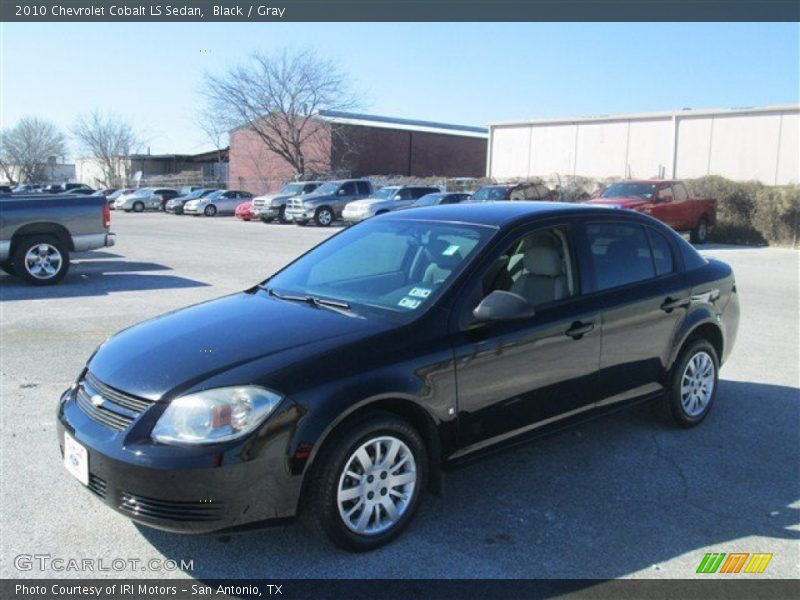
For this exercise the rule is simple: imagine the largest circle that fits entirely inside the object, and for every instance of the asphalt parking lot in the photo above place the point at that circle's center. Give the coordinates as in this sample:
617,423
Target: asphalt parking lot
623,496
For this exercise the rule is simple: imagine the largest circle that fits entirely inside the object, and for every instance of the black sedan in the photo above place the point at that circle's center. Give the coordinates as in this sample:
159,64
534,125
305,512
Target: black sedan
438,198
343,386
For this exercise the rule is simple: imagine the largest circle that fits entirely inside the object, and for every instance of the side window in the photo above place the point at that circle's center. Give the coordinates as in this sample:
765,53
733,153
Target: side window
679,192
537,267
519,193
621,254
363,188
665,194
662,253
405,194
349,188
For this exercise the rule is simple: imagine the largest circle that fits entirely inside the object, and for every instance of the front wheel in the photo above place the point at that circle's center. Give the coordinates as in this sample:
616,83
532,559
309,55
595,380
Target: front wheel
366,487
699,234
138,207
210,210
41,260
693,384
324,216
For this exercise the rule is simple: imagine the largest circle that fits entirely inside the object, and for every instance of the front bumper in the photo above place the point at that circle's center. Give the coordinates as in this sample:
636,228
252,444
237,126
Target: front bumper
193,210
355,216
266,212
300,214
182,489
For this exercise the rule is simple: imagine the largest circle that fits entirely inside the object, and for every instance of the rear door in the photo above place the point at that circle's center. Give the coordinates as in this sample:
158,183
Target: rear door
636,279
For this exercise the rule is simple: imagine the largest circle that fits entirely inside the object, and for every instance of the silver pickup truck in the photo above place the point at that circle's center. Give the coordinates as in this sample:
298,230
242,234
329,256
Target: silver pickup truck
38,232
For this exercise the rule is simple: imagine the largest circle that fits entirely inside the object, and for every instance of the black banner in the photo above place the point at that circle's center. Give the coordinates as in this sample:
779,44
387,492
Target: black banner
710,588
398,10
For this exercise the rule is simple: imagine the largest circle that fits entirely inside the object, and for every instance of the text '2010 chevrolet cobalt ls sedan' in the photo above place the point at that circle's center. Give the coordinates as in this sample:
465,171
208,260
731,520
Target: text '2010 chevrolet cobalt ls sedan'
388,353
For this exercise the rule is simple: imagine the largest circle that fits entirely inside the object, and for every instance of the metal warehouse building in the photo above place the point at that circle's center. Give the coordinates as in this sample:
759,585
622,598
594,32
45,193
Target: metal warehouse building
358,145
741,144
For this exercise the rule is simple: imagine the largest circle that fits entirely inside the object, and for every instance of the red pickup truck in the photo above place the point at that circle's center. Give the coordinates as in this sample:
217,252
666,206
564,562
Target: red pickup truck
667,201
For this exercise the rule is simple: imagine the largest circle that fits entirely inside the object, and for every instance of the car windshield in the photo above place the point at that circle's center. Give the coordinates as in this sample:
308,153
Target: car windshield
215,195
395,266
490,192
195,194
630,190
327,188
142,192
385,193
292,189
429,200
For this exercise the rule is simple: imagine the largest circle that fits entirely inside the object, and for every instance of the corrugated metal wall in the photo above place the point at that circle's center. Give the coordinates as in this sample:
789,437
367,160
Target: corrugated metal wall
761,144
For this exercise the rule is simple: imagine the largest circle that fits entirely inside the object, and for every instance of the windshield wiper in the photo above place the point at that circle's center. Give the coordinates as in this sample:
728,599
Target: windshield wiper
312,300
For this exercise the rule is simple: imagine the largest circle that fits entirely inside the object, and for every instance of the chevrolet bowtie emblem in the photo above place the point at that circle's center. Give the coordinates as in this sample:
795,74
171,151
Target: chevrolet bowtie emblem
97,400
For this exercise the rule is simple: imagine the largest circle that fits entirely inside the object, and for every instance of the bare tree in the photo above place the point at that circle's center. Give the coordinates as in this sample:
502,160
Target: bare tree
109,139
215,129
29,145
278,97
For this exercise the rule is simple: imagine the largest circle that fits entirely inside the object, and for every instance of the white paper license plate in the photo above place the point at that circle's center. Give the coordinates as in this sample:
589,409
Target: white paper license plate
76,459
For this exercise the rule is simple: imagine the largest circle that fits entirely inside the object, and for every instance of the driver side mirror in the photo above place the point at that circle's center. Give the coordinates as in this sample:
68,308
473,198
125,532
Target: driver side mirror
503,306
341,192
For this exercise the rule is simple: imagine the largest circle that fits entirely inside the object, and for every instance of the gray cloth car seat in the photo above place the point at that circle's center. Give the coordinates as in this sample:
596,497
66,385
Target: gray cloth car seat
542,279
442,260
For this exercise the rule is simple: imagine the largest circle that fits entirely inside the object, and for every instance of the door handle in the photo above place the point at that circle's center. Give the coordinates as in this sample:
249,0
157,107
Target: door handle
671,304
579,329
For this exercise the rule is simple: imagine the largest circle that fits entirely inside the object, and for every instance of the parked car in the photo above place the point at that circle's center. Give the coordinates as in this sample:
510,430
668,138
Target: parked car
79,192
221,202
667,201
341,387
106,192
438,198
53,188
27,188
5,189
245,211
112,198
38,232
175,206
144,199
326,203
512,191
271,207
386,199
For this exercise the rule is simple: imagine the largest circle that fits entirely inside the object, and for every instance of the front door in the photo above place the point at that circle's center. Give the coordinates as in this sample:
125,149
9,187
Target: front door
516,375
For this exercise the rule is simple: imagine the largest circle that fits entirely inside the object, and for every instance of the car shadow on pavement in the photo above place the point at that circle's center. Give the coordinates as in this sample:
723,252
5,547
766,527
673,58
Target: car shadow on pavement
619,495
97,274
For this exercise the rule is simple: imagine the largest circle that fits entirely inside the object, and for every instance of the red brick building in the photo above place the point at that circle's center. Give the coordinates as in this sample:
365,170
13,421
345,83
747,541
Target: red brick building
357,145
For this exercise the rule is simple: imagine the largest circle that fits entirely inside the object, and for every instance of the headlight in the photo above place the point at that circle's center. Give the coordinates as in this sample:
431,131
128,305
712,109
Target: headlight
215,415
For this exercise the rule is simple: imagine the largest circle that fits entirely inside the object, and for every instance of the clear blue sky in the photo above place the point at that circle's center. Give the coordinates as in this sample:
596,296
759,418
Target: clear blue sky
470,73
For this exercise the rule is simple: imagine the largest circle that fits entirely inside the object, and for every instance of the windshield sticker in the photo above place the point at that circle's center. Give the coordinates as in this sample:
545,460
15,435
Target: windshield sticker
409,303
420,292
451,250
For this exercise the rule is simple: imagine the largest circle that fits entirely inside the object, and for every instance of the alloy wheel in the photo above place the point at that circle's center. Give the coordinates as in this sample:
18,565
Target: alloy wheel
43,261
697,384
376,485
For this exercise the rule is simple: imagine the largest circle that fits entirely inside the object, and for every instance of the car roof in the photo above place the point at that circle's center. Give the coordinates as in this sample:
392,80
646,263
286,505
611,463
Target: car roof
501,214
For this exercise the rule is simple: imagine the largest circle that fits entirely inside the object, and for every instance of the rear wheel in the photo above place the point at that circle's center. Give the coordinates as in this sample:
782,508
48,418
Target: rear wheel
324,216
367,486
693,383
41,260
210,210
699,234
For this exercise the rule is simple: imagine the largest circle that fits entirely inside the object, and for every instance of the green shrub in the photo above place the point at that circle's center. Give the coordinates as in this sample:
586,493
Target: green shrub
776,214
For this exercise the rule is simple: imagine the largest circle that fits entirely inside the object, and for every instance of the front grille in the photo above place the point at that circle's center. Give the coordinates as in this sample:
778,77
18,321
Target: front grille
117,409
97,485
295,203
258,203
172,510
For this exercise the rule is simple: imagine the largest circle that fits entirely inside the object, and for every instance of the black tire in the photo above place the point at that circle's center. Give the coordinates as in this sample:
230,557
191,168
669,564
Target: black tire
324,216
26,244
210,210
282,215
8,268
138,207
302,223
266,219
320,510
673,402
699,235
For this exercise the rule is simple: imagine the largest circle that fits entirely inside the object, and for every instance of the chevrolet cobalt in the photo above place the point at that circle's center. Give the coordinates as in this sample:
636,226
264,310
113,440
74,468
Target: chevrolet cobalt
389,353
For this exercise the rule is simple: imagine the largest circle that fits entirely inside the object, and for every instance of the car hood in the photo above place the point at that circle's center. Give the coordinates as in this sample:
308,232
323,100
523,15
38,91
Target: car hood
617,202
268,198
182,349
